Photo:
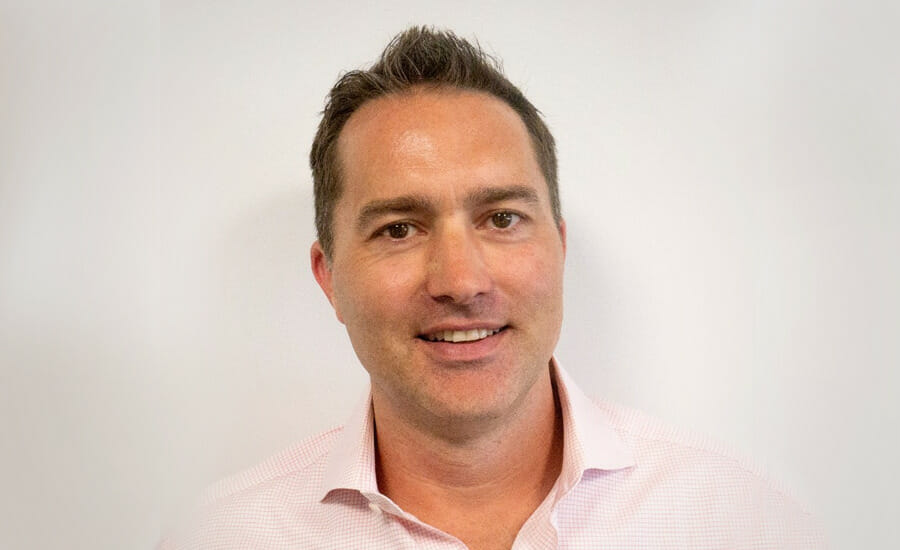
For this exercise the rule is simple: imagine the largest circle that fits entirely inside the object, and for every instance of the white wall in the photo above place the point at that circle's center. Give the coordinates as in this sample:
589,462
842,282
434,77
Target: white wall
729,176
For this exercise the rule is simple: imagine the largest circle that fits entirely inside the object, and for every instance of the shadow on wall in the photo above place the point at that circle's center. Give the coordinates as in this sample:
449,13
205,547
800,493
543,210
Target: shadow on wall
287,369
593,346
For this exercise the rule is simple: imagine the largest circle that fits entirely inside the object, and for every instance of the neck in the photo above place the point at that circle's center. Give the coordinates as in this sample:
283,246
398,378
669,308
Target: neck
502,471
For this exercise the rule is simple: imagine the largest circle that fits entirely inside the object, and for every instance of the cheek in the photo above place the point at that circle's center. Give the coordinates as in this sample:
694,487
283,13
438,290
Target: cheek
375,292
534,271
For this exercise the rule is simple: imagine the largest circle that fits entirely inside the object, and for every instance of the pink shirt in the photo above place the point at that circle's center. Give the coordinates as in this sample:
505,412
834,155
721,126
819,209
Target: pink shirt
627,481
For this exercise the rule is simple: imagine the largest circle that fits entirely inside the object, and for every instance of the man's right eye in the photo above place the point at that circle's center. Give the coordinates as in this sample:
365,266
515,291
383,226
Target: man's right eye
398,231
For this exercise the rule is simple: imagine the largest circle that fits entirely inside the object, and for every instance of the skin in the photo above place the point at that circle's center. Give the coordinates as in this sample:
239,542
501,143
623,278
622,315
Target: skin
445,224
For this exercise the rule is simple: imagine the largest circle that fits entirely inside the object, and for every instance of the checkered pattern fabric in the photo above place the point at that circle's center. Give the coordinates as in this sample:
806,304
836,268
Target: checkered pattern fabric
627,482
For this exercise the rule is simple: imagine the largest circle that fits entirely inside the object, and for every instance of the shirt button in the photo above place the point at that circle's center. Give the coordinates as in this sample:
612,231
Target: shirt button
374,507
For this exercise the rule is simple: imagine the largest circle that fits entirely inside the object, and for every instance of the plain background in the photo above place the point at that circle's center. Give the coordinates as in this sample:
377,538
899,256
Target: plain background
729,174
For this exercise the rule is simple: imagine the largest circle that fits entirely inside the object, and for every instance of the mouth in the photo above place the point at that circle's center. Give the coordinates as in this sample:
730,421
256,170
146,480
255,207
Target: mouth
460,336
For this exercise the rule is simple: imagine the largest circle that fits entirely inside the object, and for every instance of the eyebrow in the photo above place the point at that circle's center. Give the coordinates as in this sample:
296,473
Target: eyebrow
398,205
492,195
420,204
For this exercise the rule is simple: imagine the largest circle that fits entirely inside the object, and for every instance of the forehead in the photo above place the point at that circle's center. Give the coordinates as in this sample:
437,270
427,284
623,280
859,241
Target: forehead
434,139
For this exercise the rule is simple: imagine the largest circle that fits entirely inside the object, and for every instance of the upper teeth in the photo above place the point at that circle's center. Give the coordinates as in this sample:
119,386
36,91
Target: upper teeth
461,335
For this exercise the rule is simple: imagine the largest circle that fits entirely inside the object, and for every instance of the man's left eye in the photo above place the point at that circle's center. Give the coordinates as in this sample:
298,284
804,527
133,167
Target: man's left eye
504,220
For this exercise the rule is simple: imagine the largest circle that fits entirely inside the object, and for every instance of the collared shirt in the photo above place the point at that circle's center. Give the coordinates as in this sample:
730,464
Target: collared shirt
627,481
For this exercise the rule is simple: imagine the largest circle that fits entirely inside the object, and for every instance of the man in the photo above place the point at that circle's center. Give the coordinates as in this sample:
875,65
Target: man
441,248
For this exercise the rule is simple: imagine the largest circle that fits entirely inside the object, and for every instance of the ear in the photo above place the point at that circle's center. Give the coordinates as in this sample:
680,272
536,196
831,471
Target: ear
562,235
321,268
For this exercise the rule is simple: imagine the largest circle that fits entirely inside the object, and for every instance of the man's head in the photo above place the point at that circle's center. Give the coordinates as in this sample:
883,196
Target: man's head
446,253
418,57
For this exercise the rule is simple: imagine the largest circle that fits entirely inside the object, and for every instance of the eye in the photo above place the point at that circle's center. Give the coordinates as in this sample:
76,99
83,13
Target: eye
398,231
504,219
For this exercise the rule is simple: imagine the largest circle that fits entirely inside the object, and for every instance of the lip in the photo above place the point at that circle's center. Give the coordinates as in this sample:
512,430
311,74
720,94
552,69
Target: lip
464,352
463,326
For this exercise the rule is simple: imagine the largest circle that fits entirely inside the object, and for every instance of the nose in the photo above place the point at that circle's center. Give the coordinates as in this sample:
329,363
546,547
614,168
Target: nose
457,271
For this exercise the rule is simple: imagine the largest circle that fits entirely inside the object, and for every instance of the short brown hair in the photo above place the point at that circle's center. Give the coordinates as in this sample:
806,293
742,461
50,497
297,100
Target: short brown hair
419,56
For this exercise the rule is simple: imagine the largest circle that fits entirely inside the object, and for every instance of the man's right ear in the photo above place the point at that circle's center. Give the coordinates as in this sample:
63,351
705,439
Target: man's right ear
321,268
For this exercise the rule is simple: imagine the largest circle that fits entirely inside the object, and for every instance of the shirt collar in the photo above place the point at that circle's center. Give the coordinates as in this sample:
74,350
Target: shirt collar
351,461
590,442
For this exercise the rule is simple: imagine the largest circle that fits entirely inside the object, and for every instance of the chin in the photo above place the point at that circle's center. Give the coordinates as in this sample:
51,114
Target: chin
470,408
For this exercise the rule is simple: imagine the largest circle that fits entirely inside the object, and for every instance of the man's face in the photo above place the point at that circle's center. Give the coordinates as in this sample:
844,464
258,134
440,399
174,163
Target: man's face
447,264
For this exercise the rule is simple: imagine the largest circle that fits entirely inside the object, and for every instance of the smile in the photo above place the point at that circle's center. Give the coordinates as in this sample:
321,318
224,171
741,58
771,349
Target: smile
455,336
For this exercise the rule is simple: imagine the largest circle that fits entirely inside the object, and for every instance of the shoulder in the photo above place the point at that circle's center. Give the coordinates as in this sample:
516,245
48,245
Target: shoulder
667,451
299,464
662,445
658,445
248,507
695,481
